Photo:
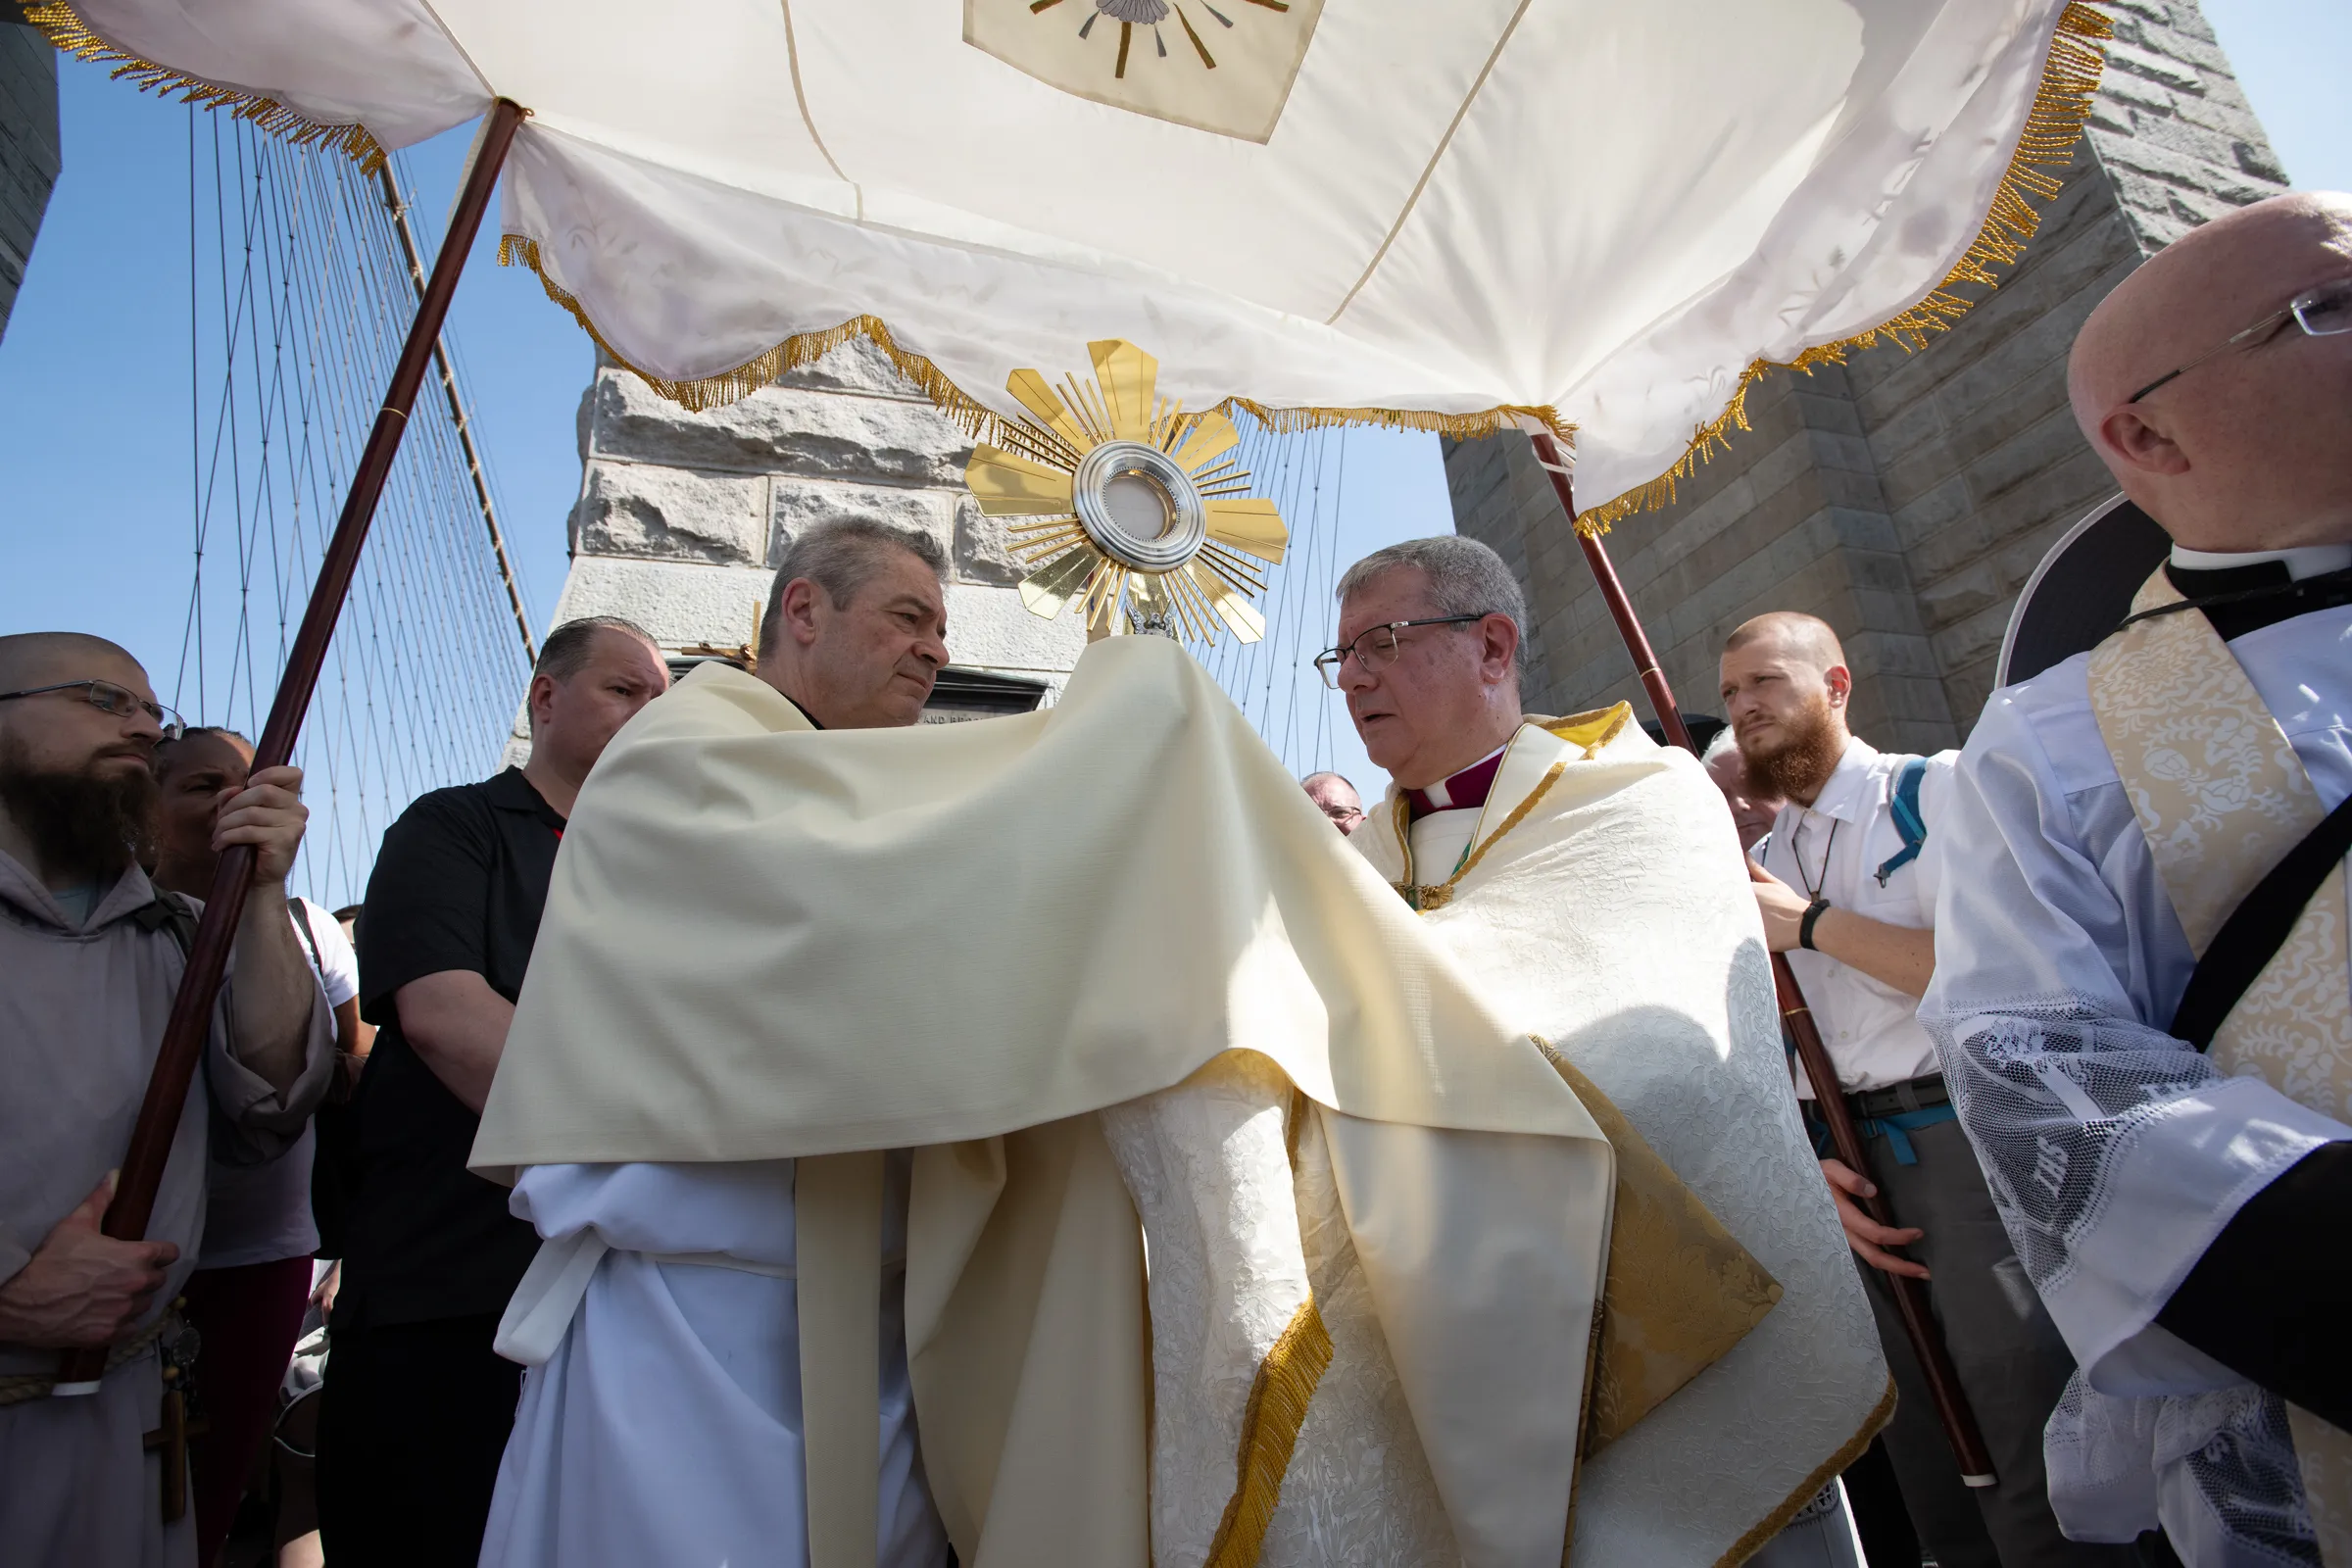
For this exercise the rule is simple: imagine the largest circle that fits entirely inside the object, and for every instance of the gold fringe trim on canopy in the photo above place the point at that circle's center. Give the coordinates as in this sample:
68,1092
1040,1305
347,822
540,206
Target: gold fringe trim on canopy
72,35
1278,1399
973,417
2070,76
976,418
1455,426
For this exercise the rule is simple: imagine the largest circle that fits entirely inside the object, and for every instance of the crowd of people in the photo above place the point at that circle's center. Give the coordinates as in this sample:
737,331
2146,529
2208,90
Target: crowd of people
2129,1221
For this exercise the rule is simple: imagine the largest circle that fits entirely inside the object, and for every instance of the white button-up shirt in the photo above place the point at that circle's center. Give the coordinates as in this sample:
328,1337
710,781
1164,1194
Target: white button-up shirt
1833,849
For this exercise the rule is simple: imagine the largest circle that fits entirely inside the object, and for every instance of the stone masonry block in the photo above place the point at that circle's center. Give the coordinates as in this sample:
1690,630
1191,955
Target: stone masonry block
2257,160
983,548
2026,454
821,435
1890,654
992,629
2130,60
2190,140
1934,510
795,503
677,604
855,367
654,512
2131,91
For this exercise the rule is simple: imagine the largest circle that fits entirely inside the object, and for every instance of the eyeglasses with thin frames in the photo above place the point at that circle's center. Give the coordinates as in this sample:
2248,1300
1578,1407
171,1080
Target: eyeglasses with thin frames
1376,647
2322,312
109,698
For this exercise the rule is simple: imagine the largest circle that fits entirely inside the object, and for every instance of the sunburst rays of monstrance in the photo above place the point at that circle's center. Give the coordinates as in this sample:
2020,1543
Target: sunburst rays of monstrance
1136,506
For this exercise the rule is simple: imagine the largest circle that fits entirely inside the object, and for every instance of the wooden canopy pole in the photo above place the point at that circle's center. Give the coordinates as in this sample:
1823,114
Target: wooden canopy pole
1910,1295
189,1023
399,209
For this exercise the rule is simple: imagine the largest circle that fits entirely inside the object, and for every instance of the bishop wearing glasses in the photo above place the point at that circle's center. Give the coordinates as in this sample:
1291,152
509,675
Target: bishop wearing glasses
1590,884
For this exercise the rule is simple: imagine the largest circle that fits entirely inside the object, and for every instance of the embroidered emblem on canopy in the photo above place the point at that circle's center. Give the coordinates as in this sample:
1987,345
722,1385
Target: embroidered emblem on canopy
1225,68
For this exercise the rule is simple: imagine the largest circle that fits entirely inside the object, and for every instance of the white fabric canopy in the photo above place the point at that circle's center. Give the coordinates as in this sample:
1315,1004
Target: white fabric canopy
1573,212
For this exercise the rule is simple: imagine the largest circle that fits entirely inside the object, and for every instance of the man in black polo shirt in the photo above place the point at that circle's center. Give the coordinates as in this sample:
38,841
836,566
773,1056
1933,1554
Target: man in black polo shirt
417,1405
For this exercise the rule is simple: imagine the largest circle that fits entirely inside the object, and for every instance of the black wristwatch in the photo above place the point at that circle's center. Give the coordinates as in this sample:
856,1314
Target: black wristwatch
1804,929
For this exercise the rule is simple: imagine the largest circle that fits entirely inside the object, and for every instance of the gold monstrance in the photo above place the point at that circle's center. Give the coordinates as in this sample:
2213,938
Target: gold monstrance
1136,502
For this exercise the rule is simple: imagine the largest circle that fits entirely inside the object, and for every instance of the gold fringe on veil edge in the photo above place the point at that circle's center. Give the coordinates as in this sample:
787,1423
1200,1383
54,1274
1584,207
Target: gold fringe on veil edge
2061,106
2070,75
72,35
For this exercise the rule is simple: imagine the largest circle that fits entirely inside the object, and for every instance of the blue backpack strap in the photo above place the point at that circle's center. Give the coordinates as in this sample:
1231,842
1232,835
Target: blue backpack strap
1908,823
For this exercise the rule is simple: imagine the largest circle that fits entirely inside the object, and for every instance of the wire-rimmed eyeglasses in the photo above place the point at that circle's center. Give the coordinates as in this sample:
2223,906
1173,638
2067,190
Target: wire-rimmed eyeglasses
109,698
1375,647
2321,311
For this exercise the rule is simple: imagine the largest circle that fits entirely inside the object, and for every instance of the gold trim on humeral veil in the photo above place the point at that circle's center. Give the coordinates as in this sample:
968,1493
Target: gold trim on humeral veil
2061,106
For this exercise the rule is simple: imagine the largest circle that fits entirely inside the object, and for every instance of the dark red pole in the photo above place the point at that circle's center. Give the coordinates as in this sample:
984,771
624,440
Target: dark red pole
1910,1295
1621,609
191,1015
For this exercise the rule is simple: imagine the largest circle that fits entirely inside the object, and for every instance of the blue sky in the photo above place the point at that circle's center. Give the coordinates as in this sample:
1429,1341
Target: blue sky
95,392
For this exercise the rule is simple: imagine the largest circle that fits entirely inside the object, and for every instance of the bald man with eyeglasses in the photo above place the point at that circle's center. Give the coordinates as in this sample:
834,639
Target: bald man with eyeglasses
2141,997
90,956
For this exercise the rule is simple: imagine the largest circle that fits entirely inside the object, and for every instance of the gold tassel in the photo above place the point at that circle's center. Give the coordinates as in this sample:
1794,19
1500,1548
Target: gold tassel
72,35
1270,1422
2070,76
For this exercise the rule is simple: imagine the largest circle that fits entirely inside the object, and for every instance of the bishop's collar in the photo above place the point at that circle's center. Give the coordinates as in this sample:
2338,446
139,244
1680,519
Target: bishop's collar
1464,791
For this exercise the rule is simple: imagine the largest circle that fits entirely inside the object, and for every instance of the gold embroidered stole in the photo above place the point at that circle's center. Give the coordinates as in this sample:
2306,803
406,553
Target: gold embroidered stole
2222,799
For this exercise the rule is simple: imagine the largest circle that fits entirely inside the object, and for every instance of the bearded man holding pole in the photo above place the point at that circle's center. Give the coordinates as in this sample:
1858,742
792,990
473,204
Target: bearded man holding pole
94,1470
1852,868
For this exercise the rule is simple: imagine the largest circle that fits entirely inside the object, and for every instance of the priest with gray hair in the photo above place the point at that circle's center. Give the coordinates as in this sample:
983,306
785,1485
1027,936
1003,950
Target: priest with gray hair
675,1283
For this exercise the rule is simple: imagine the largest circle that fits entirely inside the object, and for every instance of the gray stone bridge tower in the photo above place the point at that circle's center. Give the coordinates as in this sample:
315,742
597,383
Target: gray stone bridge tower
1903,498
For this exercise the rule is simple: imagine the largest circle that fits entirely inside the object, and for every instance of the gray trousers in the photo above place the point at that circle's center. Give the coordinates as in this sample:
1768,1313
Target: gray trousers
2010,1357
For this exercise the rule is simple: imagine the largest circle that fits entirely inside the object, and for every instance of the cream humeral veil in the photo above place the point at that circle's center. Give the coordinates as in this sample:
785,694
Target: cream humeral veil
1603,907
1378,1217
